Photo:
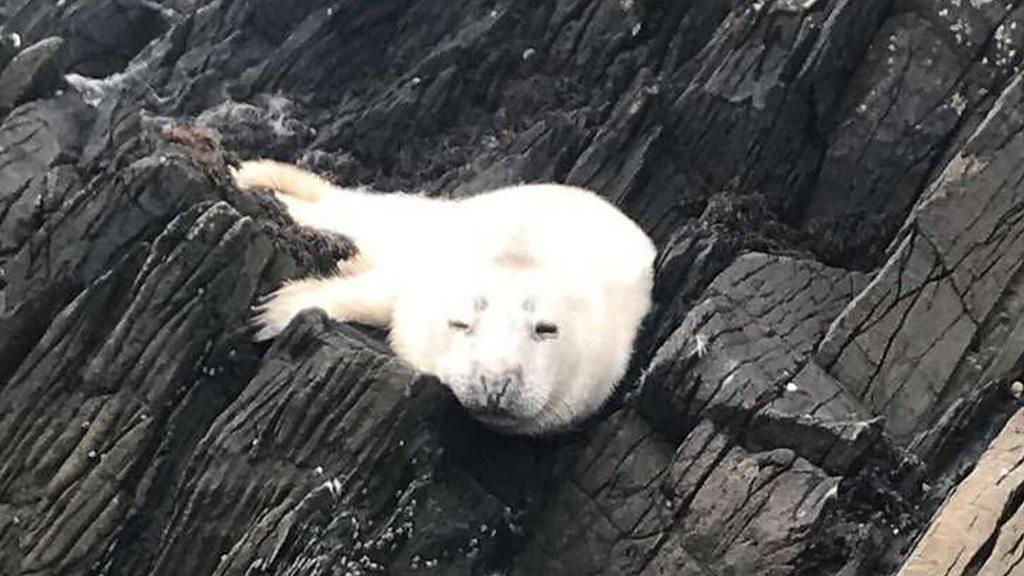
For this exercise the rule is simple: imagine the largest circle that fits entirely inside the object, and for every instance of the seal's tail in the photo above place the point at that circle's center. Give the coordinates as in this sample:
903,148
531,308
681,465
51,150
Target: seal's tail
284,178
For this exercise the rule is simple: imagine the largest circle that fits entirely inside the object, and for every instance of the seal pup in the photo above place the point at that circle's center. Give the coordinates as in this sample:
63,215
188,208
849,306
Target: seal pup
525,301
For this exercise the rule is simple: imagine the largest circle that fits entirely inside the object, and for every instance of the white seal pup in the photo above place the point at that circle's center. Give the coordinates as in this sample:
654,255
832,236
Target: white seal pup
525,301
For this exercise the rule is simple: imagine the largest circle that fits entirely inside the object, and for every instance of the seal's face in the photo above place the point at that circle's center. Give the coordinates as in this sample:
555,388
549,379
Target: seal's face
510,353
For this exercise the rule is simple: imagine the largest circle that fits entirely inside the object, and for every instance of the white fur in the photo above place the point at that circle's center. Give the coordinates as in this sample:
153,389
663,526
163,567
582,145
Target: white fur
463,286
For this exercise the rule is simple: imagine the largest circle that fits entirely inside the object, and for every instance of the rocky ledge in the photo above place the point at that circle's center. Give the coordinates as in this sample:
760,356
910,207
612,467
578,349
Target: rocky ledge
836,189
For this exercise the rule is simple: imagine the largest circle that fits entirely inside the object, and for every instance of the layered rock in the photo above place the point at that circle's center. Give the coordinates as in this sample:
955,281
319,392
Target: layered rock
835,190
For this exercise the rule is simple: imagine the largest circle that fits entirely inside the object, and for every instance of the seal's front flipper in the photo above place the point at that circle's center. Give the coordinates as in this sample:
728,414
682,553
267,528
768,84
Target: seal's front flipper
366,298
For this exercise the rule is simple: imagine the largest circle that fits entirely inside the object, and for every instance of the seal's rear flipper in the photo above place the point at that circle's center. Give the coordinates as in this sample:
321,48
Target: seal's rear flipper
283,178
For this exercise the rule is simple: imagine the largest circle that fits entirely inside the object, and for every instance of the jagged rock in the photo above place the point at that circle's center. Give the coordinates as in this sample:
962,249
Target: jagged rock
636,504
977,530
101,36
155,334
33,139
942,316
10,44
104,36
834,187
757,324
36,142
308,464
891,140
36,71
268,128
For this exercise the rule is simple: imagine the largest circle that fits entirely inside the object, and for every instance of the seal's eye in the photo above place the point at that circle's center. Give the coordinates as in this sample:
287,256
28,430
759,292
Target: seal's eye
458,325
545,330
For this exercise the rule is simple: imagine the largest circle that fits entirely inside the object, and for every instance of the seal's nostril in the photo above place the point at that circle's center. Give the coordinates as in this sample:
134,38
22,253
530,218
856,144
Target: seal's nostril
493,389
493,401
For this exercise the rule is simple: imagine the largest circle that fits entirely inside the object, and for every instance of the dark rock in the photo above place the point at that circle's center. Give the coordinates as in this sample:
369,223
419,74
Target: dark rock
834,188
940,317
636,504
268,128
357,457
101,36
121,406
104,36
34,72
896,132
31,20
36,142
10,44
35,138
758,323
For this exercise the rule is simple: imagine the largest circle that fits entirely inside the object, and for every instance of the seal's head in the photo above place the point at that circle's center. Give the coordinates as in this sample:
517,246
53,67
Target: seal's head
510,355
521,351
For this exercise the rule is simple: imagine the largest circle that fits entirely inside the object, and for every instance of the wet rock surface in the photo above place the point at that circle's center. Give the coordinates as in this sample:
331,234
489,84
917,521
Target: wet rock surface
835,188
36,70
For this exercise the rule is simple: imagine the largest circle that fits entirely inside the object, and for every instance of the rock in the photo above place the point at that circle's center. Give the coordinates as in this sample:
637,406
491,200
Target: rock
37,141
941,317
888,147
34,139
757,324
110,421
31,20
635,504
834,190
269,128
10,44
34,72
976,529
104,36
101,36
354,404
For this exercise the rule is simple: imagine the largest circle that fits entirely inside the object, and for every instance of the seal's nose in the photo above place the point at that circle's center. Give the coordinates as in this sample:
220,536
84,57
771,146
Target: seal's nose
497,389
